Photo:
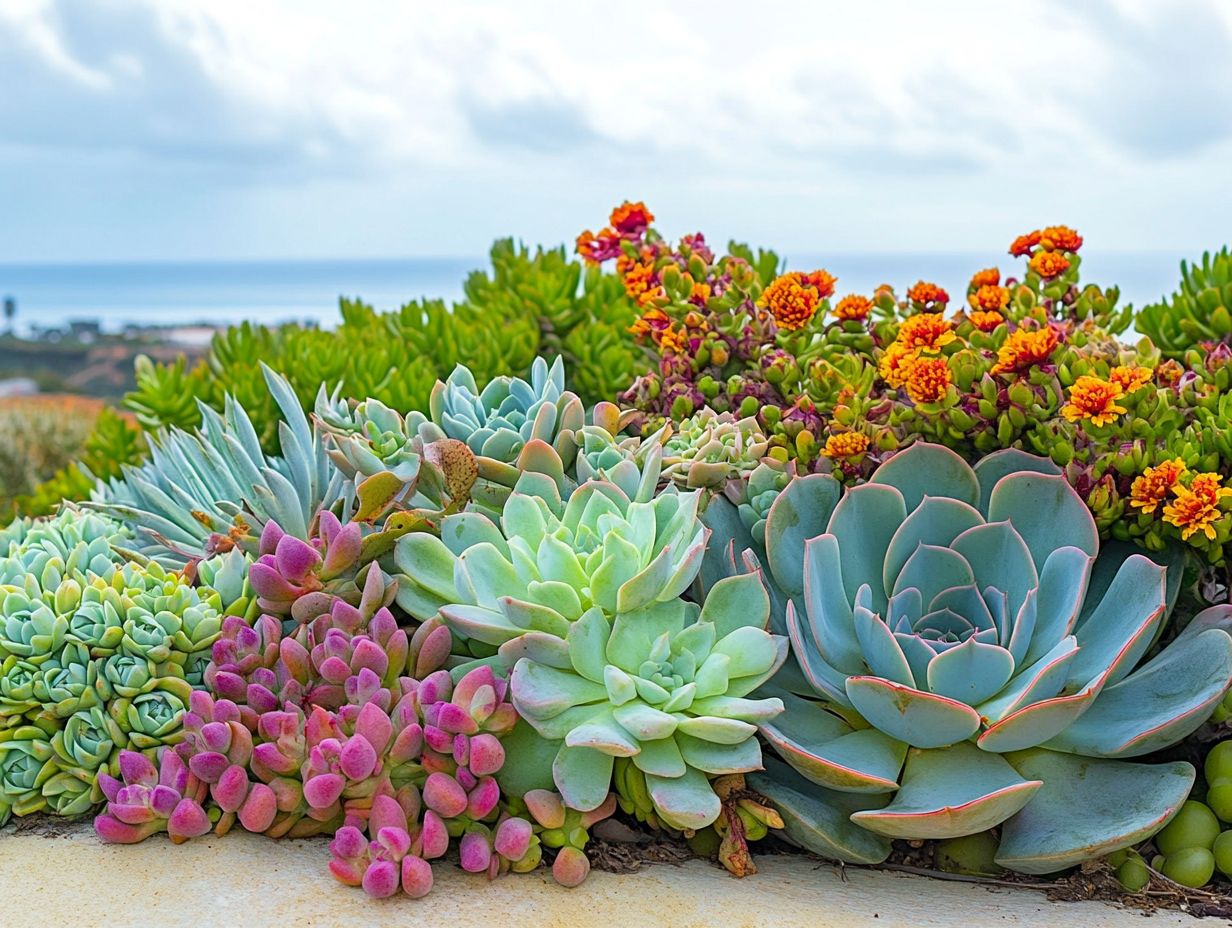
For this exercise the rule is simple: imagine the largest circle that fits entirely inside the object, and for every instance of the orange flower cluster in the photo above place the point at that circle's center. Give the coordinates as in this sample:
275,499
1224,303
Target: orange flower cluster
1093,399
1024,349
1049,264
853,308
989,277
1130,379
631,218
928,294
1196,508
627,221
895,363
794,298
985,320
1024,244
595,249
846,445
990,297
1053,238
927,379
651,323
1152,487
912,360
641,282
1060,238
925,331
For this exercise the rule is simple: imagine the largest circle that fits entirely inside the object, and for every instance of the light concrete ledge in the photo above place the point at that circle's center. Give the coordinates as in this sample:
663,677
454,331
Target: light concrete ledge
246,881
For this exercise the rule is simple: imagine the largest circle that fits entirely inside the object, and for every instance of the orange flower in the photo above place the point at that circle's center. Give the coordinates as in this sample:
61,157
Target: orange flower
853,307
1049,264
927,380
1093,399
927,331
651,322
1130,378
896,362
794,297
631,218
989,277
1024,349
642,283
595,249
1151,489
846,445
673,341
1024,243
1196,507
926,293
822,282
990,297
700,293
1060,238
985,320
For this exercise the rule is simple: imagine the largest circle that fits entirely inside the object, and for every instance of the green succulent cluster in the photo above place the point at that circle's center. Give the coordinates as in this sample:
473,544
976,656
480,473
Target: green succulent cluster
97,654
530,303
1199,311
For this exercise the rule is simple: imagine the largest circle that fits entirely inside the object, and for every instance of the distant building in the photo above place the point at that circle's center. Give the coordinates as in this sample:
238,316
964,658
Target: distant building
18,386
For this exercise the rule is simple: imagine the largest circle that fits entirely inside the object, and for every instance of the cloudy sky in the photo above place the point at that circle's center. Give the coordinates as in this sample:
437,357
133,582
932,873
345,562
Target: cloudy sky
135,129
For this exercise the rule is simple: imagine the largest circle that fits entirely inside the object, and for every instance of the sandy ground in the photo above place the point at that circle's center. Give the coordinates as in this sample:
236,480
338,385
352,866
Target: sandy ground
244,880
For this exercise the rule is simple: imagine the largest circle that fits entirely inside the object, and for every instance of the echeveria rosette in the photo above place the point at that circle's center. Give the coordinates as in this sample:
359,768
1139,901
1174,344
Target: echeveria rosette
548,561
497,422
66,684
152,796
71,542
27,762
30,626
89,742
711,448
368,438
227,575
979,663
153,717
665,685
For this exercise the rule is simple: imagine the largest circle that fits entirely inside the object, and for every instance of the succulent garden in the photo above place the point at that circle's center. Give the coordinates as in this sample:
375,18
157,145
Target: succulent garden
655,539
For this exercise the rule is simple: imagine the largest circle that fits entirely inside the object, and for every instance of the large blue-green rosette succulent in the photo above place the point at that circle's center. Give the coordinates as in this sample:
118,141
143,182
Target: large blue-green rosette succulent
967,658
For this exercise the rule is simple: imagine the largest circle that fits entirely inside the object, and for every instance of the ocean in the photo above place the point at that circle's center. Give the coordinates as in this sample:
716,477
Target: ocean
221,292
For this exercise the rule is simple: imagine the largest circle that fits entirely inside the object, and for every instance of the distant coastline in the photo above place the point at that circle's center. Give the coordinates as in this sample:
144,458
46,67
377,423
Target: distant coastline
219,293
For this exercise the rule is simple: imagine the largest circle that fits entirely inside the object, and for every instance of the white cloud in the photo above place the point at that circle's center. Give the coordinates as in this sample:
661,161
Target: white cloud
893,124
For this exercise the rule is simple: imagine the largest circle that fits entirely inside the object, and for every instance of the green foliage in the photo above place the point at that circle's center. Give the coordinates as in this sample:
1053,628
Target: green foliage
1200,311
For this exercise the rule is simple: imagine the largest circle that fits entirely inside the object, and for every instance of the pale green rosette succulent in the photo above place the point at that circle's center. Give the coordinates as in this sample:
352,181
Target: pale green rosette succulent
67,683
498,421
153,717
27,761
69,543
89,742
124,675
96,619
969,658
666,685
30,626
166,621
368,438
712,448
548,561
18,677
